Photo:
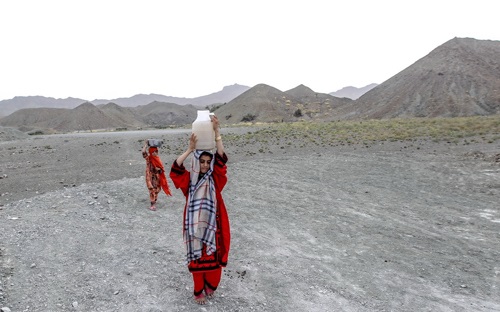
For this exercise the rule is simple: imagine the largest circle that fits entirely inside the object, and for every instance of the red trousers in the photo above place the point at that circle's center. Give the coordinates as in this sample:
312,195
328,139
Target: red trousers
209,279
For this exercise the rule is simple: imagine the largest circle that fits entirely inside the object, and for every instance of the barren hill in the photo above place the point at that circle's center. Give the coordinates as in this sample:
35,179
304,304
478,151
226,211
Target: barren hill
11,134
110,116
141,99
87,117
261,103
307,95
318,106
225,95
84,117
7,107
32,118
164,114
353,93
264,103
126,116
459,78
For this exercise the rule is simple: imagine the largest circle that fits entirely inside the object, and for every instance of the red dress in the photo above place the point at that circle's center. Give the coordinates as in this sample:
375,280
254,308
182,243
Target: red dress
155,175
180,176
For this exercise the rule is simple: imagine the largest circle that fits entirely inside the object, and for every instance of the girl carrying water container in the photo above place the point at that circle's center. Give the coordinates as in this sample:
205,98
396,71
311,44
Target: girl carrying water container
156,179
206,230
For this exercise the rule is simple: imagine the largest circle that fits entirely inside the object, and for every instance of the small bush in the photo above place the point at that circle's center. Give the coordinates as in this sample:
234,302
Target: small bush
37,132
248,117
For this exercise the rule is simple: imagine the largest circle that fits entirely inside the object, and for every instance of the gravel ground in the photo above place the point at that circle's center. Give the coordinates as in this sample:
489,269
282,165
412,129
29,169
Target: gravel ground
391,227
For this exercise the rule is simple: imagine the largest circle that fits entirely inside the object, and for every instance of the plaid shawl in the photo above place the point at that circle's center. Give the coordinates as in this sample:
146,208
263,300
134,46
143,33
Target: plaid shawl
200,223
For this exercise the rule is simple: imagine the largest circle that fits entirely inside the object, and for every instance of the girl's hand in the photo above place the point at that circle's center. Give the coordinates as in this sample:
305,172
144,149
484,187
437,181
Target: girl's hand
215,122
192,142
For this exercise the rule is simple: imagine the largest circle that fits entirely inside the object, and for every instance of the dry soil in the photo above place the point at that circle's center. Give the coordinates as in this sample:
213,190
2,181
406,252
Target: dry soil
390,227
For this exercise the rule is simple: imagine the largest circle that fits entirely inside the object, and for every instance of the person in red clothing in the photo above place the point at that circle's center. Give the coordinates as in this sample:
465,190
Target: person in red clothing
206,230
156,179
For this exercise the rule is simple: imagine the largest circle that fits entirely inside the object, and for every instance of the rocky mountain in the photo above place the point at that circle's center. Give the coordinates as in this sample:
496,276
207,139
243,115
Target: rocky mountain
87,117
228,93
123,115
33,118
163,114
7,107
459,78
317,106
353,93
261,103
142,99
264,103
225,95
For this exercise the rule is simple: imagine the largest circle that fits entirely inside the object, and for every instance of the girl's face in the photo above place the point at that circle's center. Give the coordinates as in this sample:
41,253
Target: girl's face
205,163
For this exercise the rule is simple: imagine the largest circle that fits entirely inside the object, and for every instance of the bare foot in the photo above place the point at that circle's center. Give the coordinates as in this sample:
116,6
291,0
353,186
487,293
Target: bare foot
209,293
200,299
153,207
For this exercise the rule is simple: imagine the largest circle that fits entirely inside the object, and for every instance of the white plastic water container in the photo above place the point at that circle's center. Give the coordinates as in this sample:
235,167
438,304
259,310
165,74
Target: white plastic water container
204,130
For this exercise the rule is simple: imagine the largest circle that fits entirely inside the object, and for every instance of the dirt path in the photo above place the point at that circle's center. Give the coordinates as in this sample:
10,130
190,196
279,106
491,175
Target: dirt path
388,228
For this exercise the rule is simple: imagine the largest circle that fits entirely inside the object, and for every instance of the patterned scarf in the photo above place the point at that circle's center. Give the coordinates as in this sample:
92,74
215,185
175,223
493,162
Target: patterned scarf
157,163
200,224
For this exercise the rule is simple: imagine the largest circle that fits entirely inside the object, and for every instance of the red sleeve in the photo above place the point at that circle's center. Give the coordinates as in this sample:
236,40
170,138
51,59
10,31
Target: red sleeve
180,177
220,171
220,179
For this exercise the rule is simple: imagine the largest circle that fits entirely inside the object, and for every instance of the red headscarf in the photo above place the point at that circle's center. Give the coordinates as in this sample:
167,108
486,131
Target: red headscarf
156,162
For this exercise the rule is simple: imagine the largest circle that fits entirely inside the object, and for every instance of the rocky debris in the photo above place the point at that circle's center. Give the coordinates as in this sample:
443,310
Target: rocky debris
314,229
11,134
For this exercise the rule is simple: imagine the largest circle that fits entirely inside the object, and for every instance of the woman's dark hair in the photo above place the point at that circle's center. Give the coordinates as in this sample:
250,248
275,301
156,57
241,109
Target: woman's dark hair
207,154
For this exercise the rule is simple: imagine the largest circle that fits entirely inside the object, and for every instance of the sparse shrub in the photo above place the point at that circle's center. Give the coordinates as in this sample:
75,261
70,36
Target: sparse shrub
37,132
214,107
248,117
297,113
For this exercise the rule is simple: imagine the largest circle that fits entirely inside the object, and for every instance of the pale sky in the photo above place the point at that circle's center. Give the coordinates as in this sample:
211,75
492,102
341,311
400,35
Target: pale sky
106,49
